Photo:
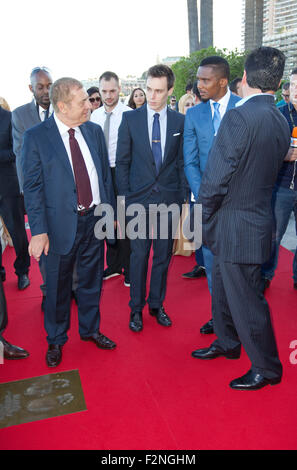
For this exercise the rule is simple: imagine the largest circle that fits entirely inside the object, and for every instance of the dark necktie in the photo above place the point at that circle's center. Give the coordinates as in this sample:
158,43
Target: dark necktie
82,180
156,142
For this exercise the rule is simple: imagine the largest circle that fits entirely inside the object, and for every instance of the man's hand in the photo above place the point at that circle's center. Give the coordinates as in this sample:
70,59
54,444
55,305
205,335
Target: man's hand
39,244
291,155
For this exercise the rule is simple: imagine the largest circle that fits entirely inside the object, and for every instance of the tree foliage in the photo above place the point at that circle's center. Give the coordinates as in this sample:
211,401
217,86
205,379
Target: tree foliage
185,69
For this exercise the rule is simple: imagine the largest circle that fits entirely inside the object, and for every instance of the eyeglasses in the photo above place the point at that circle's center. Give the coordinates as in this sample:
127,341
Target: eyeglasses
92,100
284,95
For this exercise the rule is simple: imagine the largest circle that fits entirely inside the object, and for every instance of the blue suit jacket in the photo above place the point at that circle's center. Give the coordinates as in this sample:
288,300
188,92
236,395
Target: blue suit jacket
49,185
198,140
135,167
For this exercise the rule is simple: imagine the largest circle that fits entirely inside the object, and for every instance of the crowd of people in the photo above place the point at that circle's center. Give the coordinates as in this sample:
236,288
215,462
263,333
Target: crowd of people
71,152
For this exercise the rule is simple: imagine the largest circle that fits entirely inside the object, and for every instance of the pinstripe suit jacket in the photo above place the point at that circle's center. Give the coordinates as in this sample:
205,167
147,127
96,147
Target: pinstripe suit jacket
238,180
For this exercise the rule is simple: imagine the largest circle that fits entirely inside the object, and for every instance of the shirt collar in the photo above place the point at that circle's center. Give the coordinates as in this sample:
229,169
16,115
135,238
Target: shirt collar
224,100
162,113
244,100
115,110
63,129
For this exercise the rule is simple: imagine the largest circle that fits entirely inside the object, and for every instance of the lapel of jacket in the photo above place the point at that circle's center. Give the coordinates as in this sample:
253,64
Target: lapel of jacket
58,144
144,134
171,127
34,113
205,120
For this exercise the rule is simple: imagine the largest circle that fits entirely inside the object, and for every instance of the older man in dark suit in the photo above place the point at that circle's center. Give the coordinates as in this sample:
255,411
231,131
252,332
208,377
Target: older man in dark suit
149,171
11,203
66,175
235,193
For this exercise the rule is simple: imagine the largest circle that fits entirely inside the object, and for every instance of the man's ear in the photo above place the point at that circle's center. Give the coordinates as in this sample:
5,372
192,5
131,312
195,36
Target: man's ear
31,88
223,82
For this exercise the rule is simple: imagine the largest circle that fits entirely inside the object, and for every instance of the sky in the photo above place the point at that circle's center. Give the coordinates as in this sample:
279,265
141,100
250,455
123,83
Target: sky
83,38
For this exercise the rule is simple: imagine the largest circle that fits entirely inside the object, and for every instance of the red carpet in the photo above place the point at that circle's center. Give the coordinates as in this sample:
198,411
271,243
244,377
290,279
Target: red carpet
150,393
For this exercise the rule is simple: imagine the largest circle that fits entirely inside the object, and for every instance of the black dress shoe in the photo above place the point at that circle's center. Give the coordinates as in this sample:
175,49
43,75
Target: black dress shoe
54,355
196,273
135,323
110,272
13,352
161,316
100,340
253,381
207,329
212,352
23,281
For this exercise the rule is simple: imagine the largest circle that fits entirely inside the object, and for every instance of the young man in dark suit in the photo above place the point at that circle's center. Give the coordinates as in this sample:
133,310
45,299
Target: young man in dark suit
235,194
149,171
66,176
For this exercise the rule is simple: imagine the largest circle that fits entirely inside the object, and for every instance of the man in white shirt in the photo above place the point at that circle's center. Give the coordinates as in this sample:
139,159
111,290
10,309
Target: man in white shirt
109,117
66,175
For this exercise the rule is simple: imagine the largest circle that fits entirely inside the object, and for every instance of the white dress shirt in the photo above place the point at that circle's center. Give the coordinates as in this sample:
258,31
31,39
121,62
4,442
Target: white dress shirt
223,104
42,111
163,125
99,115
91,169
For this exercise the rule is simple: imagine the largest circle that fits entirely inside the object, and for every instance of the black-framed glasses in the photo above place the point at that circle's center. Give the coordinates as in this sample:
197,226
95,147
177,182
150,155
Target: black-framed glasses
92,100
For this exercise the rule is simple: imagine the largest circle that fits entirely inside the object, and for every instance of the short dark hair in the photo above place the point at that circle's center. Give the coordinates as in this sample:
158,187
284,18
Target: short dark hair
196,91
294,72
161,70
92,90
189,87
218,63
264,68
109,76
234,83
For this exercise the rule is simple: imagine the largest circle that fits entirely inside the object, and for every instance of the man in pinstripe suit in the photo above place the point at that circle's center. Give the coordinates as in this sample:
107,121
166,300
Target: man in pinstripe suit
235,193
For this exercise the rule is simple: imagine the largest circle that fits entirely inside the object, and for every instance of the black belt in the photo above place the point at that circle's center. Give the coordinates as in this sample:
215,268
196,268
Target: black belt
86,211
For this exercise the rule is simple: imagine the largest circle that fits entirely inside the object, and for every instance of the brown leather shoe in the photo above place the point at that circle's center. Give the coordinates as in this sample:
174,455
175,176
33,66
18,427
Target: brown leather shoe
100,340
13,352
54,355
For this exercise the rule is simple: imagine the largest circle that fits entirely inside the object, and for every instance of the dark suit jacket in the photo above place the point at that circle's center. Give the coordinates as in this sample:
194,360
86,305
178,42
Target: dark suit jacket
9,185
49,185
23,118
238,180
136,173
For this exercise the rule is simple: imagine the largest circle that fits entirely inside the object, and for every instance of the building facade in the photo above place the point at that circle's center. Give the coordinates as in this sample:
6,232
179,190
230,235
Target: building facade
280,29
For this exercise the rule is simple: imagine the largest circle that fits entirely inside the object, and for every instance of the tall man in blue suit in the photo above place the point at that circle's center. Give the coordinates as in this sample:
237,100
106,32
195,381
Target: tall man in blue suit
235,193
149,171
66,175
201,126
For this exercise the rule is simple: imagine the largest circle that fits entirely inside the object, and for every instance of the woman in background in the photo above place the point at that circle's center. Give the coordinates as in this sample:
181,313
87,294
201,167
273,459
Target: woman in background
186,102
137,98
